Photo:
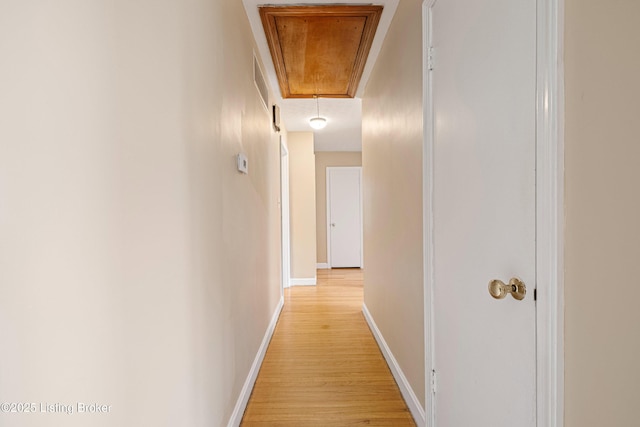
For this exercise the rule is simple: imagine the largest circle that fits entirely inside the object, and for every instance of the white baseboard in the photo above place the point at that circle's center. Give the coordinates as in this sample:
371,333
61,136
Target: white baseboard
303,282
247,388
405,388
322,266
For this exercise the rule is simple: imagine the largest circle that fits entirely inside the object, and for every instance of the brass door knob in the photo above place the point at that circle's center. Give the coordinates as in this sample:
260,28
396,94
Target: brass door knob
498,289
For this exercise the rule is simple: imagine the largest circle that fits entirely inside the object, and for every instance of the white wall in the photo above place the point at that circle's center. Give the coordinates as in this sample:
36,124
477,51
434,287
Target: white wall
137,267
602,207
302,186
392,177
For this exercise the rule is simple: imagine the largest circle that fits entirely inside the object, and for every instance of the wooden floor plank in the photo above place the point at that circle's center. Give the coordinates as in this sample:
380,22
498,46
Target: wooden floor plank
323,366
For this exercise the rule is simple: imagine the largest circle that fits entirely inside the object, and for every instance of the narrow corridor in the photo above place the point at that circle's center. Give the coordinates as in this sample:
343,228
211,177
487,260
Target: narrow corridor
323,366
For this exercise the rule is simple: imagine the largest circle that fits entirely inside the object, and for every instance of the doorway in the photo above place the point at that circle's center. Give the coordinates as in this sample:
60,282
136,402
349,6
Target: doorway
492,210
284,209
344,217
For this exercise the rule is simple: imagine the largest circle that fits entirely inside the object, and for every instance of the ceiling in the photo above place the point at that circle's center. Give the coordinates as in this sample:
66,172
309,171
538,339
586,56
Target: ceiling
344,115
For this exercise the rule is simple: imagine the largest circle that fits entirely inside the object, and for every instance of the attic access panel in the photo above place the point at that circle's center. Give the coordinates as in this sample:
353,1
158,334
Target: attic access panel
319,50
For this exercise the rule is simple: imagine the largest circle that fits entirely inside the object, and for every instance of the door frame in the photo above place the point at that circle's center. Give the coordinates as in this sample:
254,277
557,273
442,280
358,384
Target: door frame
284,216
549,213
328,213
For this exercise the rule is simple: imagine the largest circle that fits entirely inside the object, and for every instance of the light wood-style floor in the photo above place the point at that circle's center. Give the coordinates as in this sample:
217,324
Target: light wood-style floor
323,366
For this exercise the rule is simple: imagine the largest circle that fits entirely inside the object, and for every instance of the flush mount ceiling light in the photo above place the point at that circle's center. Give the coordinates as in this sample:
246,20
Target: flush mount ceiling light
317,122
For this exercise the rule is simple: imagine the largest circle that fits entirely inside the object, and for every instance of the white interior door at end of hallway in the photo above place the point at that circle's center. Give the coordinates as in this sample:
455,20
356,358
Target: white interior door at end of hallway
344,216
483,98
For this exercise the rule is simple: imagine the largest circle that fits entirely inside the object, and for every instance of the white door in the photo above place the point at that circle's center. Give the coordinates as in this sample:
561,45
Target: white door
344,216
483,153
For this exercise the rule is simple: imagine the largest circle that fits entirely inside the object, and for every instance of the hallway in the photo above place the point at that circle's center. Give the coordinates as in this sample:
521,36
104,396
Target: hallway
323,366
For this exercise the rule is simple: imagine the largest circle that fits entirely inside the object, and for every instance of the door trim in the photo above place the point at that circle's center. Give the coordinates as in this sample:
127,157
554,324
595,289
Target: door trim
427,213
328,213
549,213
285,229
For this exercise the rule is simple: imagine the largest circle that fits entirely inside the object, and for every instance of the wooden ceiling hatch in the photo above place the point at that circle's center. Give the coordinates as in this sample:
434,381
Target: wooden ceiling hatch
319,50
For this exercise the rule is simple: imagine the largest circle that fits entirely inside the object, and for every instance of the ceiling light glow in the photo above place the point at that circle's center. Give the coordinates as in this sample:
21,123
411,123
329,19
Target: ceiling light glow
318,122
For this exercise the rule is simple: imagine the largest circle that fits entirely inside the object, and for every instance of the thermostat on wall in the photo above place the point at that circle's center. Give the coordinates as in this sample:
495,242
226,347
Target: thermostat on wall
243,163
